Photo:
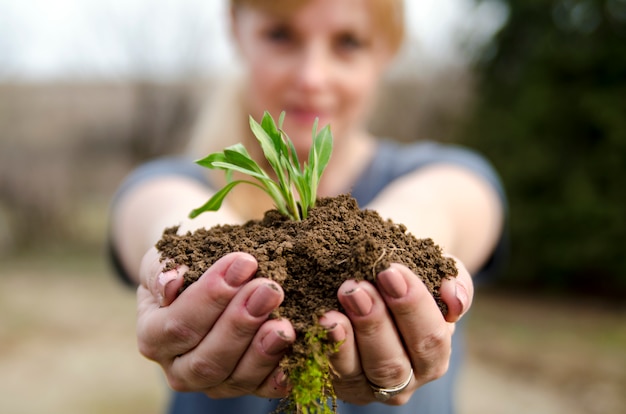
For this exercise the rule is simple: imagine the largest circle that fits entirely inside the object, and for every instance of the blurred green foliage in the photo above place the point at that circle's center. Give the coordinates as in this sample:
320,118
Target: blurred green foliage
551,116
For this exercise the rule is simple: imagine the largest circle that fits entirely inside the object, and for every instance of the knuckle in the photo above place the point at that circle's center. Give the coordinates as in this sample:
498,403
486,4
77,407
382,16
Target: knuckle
433,353
368,328
217,298
245,330
433,344
206,371
176,330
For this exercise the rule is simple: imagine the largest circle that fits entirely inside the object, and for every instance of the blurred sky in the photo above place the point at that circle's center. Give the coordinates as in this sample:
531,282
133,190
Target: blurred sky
42,39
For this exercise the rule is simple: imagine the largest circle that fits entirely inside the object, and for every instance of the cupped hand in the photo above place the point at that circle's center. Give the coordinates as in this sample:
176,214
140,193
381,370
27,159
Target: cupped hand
394,332
215,337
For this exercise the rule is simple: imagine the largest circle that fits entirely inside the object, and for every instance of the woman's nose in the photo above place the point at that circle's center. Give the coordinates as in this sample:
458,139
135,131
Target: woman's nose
314,68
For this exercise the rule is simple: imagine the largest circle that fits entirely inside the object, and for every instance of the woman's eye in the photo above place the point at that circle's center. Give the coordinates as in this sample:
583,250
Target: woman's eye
349,42
279,34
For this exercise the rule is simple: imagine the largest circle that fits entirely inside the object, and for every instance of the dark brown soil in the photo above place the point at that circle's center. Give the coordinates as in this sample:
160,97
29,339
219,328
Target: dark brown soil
311,258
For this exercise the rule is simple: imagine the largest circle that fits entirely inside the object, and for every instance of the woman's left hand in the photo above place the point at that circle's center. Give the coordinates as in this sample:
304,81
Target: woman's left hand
394,333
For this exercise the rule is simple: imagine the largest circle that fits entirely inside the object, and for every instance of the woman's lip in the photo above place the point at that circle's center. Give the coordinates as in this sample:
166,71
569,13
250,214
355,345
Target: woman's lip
304,115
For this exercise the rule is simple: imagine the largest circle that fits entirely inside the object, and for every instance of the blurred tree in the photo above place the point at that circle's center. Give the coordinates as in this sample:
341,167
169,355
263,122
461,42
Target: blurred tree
551,115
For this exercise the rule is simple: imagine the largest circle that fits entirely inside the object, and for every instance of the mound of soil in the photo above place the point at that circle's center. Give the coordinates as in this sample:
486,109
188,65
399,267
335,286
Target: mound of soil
310,259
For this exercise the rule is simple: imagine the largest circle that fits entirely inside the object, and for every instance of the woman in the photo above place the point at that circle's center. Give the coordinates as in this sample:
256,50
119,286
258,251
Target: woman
313,59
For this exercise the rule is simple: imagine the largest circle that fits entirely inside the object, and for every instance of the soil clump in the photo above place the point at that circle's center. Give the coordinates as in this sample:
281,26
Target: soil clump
311,258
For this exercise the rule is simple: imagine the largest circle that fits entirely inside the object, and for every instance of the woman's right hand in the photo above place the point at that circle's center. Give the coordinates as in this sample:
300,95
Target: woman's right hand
215,337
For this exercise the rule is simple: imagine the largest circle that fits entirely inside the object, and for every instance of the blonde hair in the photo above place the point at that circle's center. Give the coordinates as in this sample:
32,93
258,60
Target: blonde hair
223,120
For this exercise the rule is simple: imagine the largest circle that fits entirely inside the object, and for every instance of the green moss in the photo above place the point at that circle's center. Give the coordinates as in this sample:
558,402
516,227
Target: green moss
310,375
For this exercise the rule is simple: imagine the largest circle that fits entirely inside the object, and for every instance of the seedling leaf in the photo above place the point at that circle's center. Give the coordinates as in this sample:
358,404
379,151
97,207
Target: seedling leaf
294,190
215,202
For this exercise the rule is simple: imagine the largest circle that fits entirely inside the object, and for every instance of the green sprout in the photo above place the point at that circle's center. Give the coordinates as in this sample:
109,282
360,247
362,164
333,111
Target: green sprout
294,188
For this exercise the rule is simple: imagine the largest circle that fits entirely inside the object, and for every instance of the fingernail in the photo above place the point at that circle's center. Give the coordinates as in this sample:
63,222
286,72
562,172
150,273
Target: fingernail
336,333
263,299
275,342
391,283
461,295
240,271
358,302
164,279
280,379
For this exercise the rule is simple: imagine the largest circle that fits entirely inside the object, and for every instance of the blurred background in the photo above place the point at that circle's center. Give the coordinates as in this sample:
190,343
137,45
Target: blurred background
91,88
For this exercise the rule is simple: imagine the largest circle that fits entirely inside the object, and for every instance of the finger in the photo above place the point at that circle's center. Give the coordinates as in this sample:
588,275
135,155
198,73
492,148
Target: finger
382,354
350,383
173,330
457,292
216,356
257,372
424,330
345,361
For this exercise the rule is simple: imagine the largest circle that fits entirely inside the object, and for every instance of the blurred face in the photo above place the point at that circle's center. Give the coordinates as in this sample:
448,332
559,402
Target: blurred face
321,60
